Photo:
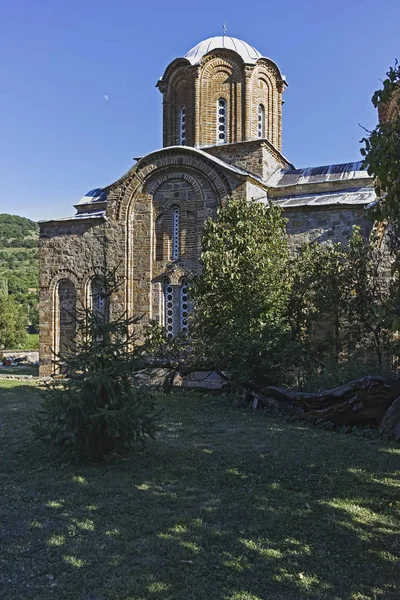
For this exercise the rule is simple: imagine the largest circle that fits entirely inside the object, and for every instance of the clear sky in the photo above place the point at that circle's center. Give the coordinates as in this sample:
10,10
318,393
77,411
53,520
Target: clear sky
60,59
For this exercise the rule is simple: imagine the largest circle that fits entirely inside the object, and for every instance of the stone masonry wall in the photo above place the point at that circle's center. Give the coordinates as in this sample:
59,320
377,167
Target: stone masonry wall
324,224
257,157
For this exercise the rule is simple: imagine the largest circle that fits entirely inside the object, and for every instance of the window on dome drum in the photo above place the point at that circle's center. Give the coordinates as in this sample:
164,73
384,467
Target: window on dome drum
182,126
221,121
261,121
175,232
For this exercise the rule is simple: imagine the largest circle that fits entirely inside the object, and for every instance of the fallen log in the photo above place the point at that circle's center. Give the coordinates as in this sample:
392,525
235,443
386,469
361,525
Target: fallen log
360,402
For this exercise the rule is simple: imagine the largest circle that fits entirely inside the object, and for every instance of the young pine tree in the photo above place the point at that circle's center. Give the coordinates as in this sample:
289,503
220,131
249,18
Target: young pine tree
99,408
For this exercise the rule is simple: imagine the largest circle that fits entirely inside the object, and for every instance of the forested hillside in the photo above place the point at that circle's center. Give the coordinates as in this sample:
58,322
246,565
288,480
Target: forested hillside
19,262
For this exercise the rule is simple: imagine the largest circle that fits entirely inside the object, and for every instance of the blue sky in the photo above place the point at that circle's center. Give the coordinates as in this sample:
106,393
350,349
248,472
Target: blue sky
60,137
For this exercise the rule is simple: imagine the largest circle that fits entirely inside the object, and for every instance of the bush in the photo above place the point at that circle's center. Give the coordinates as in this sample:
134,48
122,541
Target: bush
99,408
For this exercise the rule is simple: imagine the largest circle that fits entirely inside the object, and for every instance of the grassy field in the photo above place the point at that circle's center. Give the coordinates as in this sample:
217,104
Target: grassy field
226,504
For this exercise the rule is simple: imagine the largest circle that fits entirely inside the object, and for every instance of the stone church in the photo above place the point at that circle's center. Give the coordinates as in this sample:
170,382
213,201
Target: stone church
222,138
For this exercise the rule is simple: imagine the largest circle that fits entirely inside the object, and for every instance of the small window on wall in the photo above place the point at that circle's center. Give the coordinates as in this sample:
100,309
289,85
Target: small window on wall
169,309
261,121
175,232
221,121
99,299
184,307
182,126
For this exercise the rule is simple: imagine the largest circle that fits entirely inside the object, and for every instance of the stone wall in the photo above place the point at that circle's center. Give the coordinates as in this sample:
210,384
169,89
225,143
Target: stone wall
324,224
31,356
258,157
135,237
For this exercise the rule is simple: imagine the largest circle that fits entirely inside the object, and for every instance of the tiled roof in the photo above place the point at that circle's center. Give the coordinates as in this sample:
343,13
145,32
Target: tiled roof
326,173
353,196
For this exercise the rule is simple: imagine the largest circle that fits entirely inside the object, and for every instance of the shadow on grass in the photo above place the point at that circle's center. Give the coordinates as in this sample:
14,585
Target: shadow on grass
225,504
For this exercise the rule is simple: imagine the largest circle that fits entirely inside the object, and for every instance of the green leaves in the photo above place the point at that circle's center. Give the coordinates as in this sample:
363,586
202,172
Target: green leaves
242,293
13,322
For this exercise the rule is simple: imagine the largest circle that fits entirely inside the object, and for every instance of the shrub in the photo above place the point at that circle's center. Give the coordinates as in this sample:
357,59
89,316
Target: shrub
99,408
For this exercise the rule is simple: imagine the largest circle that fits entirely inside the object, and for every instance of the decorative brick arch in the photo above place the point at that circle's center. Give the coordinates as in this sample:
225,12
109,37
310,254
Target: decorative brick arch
221,76
269,96
168,163
59,276
154,183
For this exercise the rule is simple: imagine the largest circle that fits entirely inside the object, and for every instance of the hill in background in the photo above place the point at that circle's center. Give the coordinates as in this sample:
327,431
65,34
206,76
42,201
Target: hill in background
19,267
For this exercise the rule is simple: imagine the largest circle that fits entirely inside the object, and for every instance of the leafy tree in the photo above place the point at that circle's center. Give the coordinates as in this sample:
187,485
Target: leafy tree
315,308
366,296
381,149
339,300
13,321
241,296
381,153
99,408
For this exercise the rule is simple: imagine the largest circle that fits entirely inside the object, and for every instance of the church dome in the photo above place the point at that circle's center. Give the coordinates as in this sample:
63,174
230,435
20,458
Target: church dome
248,53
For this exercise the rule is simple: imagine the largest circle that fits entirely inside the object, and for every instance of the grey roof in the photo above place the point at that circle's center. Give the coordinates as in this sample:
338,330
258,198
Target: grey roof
248,53
340,172
90,214
354,196
96,195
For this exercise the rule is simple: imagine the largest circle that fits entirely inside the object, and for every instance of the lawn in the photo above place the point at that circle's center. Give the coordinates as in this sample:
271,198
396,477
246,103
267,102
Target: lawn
226,504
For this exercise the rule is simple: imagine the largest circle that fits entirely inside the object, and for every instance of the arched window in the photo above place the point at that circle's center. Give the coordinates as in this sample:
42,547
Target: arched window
159,238
176,308
221,121
175,232
184,307
182,126
261,121
169,309
99,299
65,319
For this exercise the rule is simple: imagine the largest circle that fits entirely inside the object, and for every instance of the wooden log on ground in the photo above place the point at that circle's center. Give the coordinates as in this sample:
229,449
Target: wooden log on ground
360,402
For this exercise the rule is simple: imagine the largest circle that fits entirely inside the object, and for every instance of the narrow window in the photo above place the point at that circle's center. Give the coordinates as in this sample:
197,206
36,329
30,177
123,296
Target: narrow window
99,299
221,121
182,126
261,121
65,318
184,307
169,309
175,232
159,238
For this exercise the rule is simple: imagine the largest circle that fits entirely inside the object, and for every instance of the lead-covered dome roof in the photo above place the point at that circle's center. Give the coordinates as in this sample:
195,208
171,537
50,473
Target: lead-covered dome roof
248,53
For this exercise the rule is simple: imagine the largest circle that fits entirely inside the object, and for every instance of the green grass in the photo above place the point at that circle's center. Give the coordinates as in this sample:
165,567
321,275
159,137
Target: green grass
226,504
32,342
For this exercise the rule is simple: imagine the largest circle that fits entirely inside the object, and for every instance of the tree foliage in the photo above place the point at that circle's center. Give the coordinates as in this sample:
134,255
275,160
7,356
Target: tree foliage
241,296
13,322
100,407
19,269
381,149
266,316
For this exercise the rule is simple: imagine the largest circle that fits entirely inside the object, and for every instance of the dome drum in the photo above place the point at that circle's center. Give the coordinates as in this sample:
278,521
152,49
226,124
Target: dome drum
224,70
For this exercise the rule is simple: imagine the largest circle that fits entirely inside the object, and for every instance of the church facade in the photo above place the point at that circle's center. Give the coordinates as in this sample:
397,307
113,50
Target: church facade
222,138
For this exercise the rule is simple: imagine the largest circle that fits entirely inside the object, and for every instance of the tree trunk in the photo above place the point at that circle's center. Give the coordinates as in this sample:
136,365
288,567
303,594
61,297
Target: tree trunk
360,402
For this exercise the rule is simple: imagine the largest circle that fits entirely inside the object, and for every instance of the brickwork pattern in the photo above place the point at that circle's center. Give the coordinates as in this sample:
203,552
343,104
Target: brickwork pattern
222,74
